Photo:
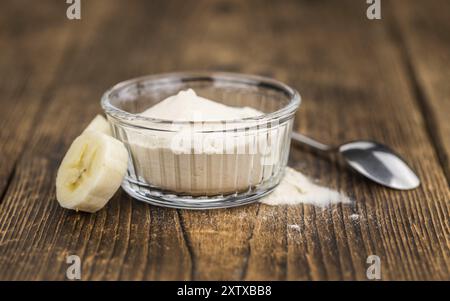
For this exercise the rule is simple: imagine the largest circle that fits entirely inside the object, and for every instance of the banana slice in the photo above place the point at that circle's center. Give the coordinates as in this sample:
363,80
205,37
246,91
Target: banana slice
99,124
91,171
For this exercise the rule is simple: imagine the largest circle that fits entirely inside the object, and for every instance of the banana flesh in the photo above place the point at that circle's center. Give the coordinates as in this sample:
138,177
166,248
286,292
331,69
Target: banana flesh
92,169
99,124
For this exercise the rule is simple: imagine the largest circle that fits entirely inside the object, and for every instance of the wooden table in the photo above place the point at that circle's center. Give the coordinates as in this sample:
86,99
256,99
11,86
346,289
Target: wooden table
386,79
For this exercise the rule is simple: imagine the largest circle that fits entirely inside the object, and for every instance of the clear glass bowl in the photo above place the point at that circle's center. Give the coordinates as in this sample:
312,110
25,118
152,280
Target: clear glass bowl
202,165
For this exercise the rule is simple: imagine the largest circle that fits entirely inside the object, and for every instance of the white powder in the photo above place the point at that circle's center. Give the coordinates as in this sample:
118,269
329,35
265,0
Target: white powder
354,217
213,170
295,189
223,164
294,227
188,106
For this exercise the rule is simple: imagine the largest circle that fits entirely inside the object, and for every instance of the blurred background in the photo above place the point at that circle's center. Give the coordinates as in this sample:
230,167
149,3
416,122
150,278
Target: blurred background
355,74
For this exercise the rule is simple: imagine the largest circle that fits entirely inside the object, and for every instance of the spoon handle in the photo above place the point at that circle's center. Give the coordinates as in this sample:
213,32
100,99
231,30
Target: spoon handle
310,142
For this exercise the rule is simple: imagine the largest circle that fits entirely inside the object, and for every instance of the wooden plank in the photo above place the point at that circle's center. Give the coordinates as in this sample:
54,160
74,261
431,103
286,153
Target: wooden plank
424,32
28,70
353,84
342,85
128,240
354,88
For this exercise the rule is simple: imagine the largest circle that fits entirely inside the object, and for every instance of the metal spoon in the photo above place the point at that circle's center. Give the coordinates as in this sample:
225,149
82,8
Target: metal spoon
373,160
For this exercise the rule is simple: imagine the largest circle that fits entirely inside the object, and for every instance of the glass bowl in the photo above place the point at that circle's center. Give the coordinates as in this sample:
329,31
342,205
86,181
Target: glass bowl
203,164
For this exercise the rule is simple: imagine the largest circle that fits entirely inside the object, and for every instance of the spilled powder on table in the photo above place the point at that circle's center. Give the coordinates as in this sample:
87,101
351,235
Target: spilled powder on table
354,217
295,188
294,227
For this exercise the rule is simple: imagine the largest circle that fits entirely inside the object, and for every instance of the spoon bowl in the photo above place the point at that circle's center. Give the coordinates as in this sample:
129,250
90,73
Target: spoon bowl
373,160
380,164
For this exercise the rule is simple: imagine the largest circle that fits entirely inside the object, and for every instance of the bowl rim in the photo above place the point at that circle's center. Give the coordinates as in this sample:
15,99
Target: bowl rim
256,80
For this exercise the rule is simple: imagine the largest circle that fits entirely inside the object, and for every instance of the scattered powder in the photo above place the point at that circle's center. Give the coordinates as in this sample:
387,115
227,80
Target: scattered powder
354,217
295,188
294,227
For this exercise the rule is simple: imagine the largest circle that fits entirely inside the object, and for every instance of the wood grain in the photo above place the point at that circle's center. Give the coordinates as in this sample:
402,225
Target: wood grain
355,83
28,70
101,240
424,37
